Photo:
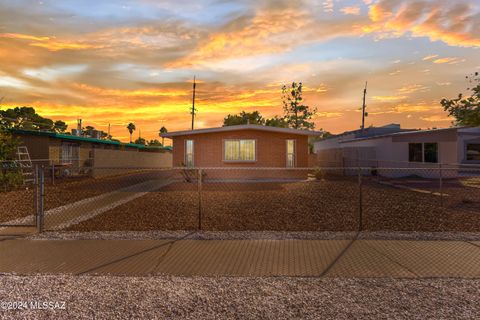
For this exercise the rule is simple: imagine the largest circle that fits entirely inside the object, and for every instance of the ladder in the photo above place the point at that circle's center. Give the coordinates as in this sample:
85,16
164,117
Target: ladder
25,163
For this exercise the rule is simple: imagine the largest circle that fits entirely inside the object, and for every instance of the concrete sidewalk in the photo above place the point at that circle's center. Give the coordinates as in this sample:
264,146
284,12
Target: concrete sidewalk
310,258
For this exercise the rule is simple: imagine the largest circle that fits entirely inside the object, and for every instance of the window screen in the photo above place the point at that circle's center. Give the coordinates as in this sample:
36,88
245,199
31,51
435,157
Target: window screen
473,151
430,152
189,153
239,150
415,152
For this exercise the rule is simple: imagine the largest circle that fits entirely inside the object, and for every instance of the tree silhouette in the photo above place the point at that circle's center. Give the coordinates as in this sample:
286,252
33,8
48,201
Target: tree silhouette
161,131
466,111
131,127
297,114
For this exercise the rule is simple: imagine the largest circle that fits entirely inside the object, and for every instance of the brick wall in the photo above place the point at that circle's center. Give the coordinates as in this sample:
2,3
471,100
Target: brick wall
271,149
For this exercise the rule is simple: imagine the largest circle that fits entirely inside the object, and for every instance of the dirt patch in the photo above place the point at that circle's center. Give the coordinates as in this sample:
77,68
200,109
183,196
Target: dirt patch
327,205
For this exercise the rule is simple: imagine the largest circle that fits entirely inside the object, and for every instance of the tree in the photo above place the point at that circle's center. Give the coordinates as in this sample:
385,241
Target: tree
10,175
155,143
59,126
26,118
296,113
131,127
466,111
8,145
244,118
141,140
162,131
277,121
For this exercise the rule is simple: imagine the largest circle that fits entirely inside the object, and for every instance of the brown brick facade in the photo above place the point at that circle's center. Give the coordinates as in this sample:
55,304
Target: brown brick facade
271,149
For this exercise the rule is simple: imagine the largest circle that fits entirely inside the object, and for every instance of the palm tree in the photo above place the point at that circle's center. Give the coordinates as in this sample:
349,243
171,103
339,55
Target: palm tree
131,127
163,130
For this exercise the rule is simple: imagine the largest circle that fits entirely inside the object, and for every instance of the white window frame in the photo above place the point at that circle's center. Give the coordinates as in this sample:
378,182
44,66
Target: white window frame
294,153
193,153
239,161
72,154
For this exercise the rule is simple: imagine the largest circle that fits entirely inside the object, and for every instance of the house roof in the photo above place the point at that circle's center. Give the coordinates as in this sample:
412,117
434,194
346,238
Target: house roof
242,127
371,131
402,133
86,139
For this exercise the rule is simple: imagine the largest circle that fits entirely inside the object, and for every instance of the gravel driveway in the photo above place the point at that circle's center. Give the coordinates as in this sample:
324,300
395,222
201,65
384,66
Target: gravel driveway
242,298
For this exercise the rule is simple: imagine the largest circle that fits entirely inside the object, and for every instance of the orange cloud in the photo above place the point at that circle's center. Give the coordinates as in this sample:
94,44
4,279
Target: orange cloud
455,25
23,37
430,57
388,98
351,10
49,43
436,118
268,32
412,88
449,60
131,93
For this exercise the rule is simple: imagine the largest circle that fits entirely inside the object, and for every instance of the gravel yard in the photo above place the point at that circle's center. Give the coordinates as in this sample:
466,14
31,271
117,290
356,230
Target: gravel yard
20,203
327,205
246,298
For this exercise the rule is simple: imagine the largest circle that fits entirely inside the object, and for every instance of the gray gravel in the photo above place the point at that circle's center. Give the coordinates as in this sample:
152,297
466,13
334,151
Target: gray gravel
242,298
238,235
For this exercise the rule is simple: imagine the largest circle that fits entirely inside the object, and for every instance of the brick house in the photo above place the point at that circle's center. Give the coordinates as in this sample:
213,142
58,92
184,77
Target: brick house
246,146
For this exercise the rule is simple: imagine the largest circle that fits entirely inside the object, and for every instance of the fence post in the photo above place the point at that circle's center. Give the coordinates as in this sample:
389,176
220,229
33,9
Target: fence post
53,173
200,177
36,196
41,179
360,200
440,184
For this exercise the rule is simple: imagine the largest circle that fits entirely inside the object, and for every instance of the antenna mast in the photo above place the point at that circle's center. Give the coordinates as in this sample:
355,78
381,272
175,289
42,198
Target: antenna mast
364,114
193,112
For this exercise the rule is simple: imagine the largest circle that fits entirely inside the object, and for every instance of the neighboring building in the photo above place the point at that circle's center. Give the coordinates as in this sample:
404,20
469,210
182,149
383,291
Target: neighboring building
81,154
254,146
411,149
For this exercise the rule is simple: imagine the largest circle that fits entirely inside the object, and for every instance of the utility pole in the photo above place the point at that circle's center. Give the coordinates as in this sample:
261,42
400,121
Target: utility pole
364,114
109,129
193,111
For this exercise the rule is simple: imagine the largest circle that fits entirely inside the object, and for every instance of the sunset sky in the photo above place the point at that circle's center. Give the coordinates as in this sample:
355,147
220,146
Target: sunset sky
133,61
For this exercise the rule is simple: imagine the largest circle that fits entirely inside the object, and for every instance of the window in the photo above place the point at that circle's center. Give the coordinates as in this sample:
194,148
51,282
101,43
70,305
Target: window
189,153
69,152
290,153
239,150
430,152
415,152
423,152
473,151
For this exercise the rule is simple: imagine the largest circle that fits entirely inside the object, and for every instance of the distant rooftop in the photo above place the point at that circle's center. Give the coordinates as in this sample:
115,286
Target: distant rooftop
242,127
411,132
87,139
375,131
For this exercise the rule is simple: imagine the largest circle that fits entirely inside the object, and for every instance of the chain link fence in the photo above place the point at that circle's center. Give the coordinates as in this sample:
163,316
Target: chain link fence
327,198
